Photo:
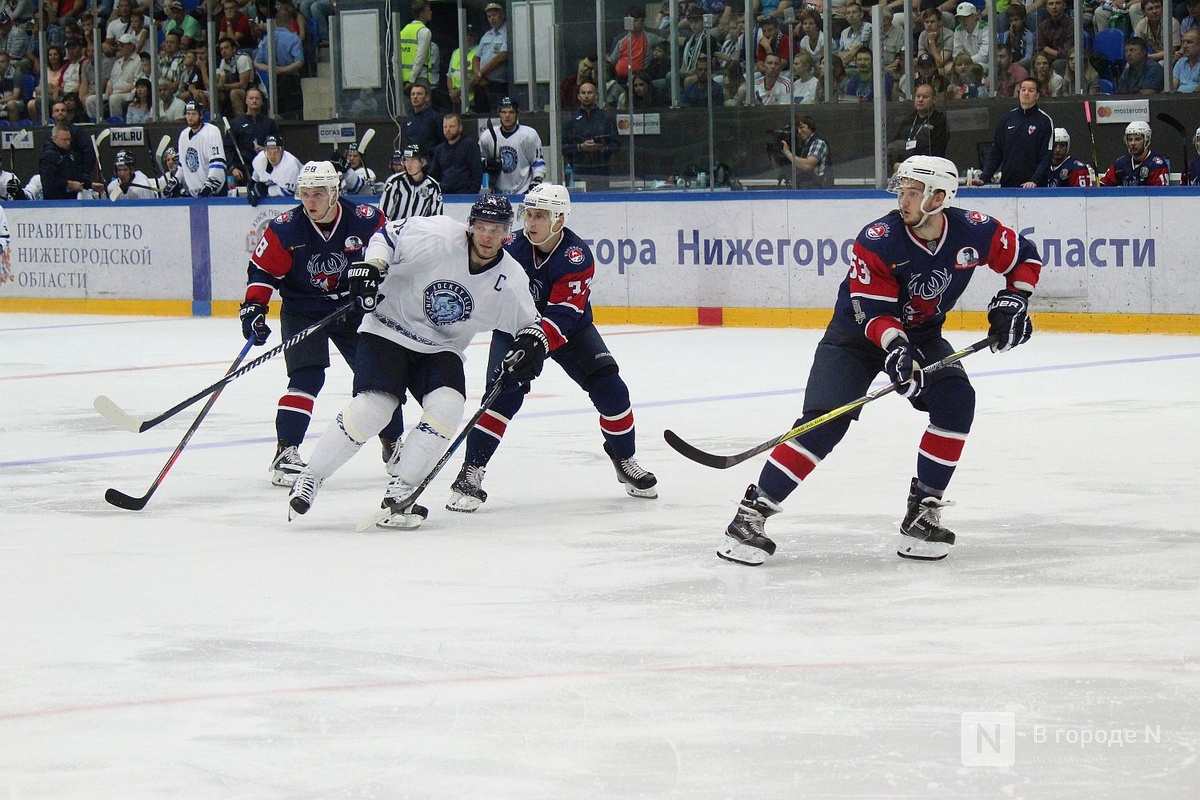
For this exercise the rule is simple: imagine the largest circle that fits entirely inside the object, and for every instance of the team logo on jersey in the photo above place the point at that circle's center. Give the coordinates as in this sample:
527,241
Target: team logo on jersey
575,255
878,231
325,269
192,159
353,244
1032,130
509,239
536,289
1143,172
976,217
366,212
925,296
1062,173
508,158
447,302
284,217
966,258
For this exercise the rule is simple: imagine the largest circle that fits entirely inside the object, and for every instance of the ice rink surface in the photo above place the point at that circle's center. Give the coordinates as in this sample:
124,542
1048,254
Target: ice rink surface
568,641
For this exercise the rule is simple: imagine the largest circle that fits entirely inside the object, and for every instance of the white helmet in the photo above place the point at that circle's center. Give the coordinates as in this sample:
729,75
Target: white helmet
319,175
937,174
552,197
1138,128
1196,139
1061,135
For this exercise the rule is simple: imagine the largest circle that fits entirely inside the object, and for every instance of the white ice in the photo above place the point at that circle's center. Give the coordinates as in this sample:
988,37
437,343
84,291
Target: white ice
568,641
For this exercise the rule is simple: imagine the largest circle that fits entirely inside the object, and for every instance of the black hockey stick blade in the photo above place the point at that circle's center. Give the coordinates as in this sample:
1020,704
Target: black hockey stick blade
122,419
1174,123
715,461
130,503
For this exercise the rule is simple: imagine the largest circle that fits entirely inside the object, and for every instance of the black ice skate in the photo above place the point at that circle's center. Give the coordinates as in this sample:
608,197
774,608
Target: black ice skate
303,494
922,536
746,540
637,481
467,492
287,465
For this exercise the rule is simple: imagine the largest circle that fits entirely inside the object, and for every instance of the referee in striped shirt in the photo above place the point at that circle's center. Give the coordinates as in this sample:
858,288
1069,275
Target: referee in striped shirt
410,192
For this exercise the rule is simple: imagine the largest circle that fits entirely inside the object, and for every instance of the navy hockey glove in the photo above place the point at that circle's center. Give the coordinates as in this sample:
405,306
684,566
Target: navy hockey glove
906,375
1008,319
211,188
254,322
525,357
252,192
364,278
14,189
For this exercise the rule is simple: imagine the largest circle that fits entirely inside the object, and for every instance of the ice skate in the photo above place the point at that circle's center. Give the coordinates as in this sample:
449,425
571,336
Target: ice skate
746,540
467,492
303,494
391,455
287,465
637,481
405,514
922,536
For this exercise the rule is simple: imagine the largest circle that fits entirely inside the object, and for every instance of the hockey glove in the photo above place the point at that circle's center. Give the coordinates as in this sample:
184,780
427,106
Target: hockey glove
14,189
364,278
254,322
211,188
1008,319
253,192
524,359
905,374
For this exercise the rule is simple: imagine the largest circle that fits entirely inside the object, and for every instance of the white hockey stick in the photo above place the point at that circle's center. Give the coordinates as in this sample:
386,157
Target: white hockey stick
366,140
163,144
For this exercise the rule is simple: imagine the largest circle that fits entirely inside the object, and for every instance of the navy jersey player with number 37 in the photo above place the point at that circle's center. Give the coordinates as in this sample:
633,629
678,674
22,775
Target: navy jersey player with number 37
908,270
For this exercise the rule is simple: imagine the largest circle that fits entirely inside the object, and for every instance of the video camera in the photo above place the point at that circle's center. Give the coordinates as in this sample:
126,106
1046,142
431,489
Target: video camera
775,144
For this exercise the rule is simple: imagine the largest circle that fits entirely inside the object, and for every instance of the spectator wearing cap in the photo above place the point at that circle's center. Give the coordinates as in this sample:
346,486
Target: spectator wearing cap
118,90
489,67
249,131
457,63
513,153
289,61
411,192
188,26
235,74
971,36
416,56
925,71
275,170
631,53
423,125
457,164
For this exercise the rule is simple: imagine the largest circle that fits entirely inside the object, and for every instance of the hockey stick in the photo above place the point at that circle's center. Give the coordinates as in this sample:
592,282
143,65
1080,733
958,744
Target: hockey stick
251,189
122,419
130,503
1087,113
379,516
1178,126
366,140
725,462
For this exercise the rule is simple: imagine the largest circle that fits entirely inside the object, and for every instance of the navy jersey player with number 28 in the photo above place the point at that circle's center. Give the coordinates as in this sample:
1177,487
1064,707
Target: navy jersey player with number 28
907,271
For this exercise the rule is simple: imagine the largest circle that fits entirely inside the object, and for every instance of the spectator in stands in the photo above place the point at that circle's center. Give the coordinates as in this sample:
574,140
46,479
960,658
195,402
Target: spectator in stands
321,11
733,84
64,12
423,125
249,131
632,50
971,36
1141,75
190,33
235,74
118,26
771,41
10,89
289,61
56,72
118,91
645,94
699,86
589,135
1091,78
936,40
1008,73
1050,83
1192,20
193,85
457,63
1056,34
1023,143
1140,166
1018,37
456,164
489,68
1185,76
170,66
1150,28
862,80
235,25
568,89
892,43
658,66
855,36
14,39
812,39
806,86
923,133
812,159
771,88
73,111
416,55
170,108
774,8
728,43
1105,11
140,110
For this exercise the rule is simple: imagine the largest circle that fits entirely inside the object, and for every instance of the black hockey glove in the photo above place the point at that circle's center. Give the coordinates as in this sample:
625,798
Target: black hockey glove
905,374
1008,319
254,322
525,357
211,188
252,192
364,278
14,189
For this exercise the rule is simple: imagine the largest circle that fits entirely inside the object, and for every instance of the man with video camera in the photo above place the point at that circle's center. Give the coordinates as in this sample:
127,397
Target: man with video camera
812,160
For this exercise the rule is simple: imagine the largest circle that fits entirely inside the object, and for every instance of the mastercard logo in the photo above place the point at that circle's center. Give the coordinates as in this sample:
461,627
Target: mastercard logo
1103,111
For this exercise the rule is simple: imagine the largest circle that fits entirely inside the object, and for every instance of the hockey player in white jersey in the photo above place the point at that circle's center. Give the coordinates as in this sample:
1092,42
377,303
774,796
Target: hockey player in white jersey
411,192
512,155
130,183
275,170
355,164
201,154
428,285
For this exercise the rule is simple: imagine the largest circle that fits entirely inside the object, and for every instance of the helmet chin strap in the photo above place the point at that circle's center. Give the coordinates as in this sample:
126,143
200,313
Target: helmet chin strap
925,215
549,236
330,214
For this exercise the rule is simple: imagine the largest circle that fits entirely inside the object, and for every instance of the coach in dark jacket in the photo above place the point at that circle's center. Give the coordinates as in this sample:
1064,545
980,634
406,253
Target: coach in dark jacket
60,169
1022,145
457,164
589,135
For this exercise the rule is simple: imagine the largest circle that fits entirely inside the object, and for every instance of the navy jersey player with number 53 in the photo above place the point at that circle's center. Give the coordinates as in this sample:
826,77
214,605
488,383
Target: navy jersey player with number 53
907,271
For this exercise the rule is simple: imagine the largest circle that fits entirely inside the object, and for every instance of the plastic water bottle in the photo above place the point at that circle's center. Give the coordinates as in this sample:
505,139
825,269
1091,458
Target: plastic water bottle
570,176
231,184
484,186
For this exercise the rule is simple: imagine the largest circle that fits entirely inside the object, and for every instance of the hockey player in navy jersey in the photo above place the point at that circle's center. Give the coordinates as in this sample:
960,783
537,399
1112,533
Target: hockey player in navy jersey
908,269
1066,169
304,254
1194,164
560,267
1141,166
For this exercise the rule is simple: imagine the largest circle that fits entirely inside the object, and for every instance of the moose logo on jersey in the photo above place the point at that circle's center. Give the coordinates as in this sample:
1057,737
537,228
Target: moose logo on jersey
447,302
925,296
325,270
